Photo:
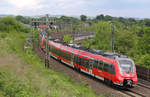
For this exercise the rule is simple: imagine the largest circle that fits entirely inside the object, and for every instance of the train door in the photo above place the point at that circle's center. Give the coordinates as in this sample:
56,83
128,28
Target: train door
100,69
72,60
111,70
91,67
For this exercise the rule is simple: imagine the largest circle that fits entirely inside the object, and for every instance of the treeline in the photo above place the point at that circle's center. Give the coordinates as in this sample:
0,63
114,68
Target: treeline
133,40
126,21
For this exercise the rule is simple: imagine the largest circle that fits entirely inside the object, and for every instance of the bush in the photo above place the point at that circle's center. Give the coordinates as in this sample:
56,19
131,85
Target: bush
143,60
67,38
13,87
10,24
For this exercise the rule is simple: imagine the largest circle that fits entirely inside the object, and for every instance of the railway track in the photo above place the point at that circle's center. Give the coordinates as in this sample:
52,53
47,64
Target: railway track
147,83
134,93
142,85
137,91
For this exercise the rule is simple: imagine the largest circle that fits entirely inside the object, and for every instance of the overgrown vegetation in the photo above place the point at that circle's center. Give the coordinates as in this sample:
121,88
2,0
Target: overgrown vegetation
133,40
33,80
9,24
67,38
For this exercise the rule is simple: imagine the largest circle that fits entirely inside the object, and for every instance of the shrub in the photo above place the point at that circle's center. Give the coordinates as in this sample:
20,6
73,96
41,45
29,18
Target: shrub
67,38
10,24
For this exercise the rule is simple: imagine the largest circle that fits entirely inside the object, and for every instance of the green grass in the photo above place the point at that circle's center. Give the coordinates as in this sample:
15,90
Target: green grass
29,78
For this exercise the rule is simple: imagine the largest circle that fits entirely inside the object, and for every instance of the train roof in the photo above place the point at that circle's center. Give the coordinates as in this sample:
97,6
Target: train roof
94,51
89,53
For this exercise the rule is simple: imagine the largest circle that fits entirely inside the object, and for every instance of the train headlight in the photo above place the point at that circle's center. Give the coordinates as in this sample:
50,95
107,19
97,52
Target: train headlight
122,73
133,74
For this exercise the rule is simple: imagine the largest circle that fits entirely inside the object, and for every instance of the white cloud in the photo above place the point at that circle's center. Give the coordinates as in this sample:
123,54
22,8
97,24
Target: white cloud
76,7
69,4
20,6
27,4
129,12
137,1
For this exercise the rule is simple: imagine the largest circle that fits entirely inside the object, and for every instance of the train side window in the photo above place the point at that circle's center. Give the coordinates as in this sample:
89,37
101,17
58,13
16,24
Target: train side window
49,48
74,59
58,52
95,64
81,60
100,65
55,50
68,56
112,69
91,63
64,54
109,68
77,60
106,66
44,43
86,63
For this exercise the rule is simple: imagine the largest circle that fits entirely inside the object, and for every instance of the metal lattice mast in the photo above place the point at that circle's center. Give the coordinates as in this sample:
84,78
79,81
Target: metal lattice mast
47,49
112,37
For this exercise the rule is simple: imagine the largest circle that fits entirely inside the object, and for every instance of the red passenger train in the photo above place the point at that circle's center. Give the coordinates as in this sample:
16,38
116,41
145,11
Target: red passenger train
109,67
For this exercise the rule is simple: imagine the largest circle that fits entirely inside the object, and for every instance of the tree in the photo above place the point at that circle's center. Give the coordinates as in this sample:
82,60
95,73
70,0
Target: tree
25,20
100,17
108,18
144,42
122,20
19,18
67,38
125,43
102,36
66,19
147,22
10,24
83,18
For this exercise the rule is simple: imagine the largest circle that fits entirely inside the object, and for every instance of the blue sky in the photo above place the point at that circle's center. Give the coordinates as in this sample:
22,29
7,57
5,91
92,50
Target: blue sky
124,8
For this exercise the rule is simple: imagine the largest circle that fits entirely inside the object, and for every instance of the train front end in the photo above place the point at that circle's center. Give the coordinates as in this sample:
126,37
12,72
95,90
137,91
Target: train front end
126,75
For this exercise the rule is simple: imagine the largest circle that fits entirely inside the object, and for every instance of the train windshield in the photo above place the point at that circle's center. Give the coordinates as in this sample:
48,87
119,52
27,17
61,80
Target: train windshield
126,66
